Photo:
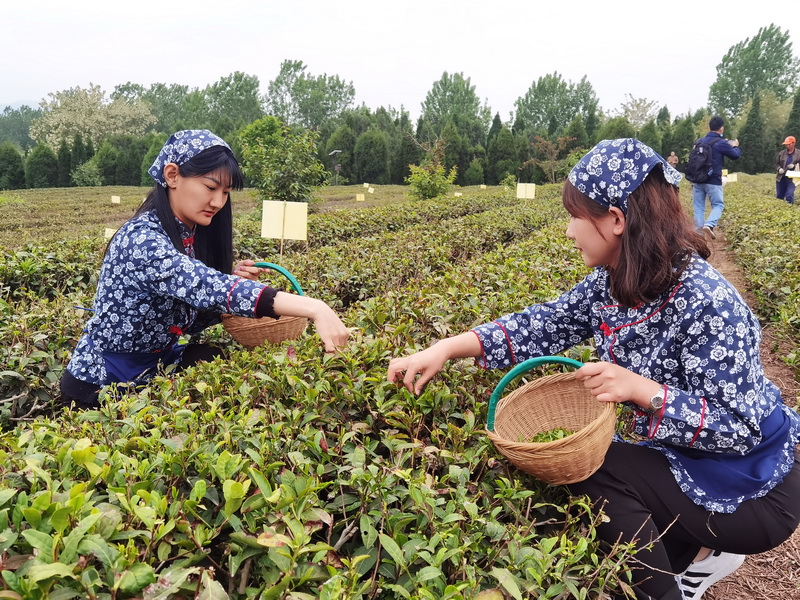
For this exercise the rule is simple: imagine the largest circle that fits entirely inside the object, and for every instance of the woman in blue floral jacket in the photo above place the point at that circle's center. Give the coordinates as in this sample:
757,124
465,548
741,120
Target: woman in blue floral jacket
718,476
168,271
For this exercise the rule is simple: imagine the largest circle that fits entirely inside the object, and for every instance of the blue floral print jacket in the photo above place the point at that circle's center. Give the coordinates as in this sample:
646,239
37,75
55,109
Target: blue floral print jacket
724,428
148,294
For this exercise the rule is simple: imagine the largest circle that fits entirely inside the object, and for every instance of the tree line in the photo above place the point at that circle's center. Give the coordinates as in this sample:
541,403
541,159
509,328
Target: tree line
83,136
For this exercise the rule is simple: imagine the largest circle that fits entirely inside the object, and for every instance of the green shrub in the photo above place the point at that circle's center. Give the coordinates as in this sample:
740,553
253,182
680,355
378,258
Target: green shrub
87,174
429,180
280,162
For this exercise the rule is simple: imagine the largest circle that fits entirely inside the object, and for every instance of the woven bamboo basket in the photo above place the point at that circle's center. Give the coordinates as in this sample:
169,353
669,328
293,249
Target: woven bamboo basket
551,402
255,332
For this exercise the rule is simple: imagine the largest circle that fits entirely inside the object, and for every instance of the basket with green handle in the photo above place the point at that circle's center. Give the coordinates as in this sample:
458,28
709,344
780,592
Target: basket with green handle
265,330
545,404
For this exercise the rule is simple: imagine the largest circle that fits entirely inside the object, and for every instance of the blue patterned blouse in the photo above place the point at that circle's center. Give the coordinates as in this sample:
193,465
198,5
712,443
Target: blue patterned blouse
724,428
148,294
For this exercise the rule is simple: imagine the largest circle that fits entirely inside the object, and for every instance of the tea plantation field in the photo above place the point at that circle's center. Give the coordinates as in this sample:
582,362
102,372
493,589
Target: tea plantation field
283,472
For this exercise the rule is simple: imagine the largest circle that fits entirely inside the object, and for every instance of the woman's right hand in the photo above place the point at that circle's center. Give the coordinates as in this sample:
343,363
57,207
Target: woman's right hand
330,328
426,364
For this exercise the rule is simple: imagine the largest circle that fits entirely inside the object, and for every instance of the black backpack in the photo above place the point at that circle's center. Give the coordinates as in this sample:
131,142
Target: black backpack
699,167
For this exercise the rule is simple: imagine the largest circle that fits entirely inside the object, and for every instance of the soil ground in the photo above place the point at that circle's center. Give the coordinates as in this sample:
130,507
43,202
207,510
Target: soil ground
774,574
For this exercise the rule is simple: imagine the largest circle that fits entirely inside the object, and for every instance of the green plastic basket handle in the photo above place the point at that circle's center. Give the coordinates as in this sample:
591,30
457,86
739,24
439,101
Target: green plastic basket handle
521,369
285,273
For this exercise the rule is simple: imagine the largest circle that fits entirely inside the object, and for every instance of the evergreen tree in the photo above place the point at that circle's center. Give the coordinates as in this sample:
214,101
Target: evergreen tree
793,122
577,131
649,135
618,127
592,125
663,118
408,153
666,141
497,125
41,168
756,151
343,139
682,139
64,164
474,173
79,154
372,157
456,151
503,158
106,160
147,162
12,167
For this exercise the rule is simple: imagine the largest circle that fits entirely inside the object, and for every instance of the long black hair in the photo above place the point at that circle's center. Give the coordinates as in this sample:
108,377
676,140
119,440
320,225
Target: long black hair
213,243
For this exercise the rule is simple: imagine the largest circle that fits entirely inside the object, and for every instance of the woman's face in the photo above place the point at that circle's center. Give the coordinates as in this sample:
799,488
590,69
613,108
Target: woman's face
195,200
598,241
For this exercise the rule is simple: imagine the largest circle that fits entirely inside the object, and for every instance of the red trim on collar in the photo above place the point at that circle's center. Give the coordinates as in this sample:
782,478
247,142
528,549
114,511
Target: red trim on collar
608,331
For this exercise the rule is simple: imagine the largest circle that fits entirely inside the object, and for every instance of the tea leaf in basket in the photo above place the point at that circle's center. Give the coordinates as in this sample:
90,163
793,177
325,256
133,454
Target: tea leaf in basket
548,436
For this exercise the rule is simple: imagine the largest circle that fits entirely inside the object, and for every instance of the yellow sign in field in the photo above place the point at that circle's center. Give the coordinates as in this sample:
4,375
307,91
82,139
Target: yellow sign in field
526,190
284,220
115,199
359,197
109,233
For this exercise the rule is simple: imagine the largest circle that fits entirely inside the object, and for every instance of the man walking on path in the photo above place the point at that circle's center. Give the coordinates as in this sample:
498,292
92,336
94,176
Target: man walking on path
720,148
788,160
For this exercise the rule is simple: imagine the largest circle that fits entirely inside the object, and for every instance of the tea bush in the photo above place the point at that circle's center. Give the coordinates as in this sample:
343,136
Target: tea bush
284,472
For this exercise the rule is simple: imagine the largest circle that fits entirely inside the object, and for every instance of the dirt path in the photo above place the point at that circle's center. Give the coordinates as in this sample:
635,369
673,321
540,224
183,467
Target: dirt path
774,574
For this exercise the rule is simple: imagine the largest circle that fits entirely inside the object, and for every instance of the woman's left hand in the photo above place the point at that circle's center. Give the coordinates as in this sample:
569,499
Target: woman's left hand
246,270
612,383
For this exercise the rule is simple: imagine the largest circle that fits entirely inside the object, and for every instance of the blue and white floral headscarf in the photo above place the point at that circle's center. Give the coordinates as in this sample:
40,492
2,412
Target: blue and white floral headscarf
182,146
613,169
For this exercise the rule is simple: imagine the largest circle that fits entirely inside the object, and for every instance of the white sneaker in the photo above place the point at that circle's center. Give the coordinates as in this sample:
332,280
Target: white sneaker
701,575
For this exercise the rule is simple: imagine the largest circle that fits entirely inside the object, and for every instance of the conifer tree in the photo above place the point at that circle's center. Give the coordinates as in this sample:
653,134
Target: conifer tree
793,122
649,135
78,153
41,168
12,167
577,131
755,149
64,164
503,158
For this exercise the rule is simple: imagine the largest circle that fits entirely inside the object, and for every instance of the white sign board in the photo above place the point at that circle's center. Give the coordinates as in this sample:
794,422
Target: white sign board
359,197
732,177
457,194
284,220
371,190
483,186
109,233
115,200
526,190
366,185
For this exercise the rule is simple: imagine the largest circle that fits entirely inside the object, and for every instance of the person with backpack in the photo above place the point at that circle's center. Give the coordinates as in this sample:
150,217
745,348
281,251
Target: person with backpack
788,160
704,170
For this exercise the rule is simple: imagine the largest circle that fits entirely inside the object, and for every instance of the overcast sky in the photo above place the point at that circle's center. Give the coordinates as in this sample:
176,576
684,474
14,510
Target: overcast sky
392,52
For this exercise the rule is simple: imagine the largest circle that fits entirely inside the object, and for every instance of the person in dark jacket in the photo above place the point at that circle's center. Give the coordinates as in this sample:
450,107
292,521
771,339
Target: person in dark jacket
788,161
169,271
720,148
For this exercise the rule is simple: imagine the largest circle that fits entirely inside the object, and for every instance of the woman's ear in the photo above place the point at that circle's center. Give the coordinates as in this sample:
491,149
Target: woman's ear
171,174
618,227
